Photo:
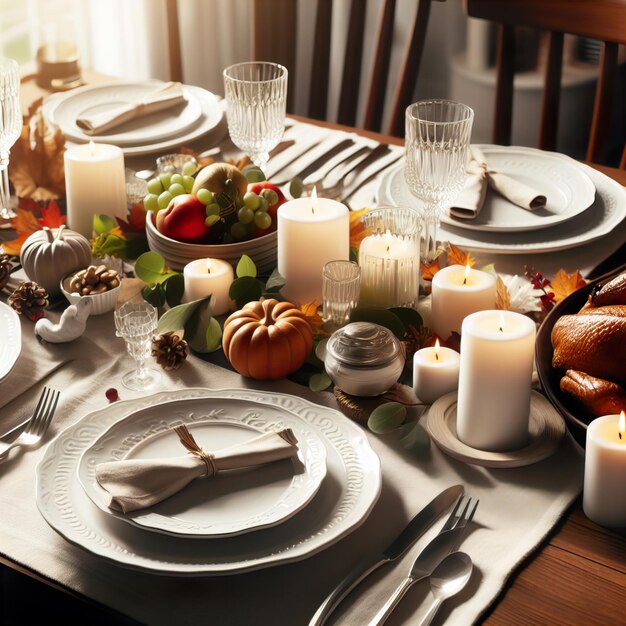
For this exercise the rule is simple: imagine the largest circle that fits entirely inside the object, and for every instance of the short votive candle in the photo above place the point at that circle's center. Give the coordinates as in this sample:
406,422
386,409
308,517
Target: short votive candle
213,277
435,372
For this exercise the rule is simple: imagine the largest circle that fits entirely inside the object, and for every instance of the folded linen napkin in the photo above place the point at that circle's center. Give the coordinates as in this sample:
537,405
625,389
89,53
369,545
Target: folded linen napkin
469,204
139,483
164,97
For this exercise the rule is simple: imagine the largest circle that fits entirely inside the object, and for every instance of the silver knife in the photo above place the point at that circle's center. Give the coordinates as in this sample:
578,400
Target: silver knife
438,549
415,528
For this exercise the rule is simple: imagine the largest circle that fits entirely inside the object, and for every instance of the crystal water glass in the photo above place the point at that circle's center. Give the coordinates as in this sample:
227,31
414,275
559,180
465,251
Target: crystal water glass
136,323
340,288
10,127
437,152
256,93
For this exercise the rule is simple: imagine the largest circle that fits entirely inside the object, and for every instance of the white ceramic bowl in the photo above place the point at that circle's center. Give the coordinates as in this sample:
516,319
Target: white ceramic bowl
100,303
177,253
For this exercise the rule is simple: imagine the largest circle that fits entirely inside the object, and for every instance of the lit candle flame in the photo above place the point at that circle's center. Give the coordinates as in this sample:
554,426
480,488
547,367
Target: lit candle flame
467,273
92,148
313,199
437,346
621,425
501,322
209,266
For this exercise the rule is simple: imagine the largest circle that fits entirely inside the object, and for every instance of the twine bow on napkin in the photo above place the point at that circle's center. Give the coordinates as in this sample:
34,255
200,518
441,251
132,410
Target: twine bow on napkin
166,96
469,204
139,483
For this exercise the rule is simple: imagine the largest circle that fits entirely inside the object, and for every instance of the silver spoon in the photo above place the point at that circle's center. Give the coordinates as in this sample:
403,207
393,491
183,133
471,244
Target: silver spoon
449,577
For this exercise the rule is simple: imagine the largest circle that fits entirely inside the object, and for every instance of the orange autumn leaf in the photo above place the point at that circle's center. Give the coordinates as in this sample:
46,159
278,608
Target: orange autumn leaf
51,216
358,230
564,284
315,320
456,256
430,269
25,223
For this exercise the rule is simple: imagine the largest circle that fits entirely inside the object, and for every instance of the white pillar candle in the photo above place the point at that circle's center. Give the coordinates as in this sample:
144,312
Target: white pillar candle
205,277
604,495
311,232
389,270
497,353
94,184
435,372
458,291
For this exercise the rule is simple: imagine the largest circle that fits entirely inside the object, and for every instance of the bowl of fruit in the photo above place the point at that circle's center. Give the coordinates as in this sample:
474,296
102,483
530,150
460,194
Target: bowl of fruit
213,213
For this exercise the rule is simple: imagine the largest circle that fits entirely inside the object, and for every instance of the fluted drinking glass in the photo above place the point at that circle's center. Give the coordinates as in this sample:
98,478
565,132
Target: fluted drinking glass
256,94
136,324
10,127
437,151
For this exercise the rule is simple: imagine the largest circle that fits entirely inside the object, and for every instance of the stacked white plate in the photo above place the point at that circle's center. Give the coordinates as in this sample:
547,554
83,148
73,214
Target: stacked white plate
165,130
177,254
10,339
582,204
282,512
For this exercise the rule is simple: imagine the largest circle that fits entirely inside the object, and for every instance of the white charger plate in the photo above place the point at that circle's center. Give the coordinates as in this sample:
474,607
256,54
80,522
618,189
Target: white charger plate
568,189
10,339
607,211
210,120
140,130
230,504
345,499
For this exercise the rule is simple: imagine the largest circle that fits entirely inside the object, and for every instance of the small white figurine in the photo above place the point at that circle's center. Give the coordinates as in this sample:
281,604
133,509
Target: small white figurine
71,325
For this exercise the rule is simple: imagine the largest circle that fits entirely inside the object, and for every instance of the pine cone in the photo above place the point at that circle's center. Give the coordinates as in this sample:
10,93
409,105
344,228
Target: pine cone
5,269
170,350
29,299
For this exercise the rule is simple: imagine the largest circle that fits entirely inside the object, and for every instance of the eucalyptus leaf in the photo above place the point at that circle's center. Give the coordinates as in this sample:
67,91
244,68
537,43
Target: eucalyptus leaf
320,349
174,289
245,289
177,318
386,417
378,315
409,317
207,336
103,224
275,282
150,267
319,382
154,294
354,254
414,438
245,267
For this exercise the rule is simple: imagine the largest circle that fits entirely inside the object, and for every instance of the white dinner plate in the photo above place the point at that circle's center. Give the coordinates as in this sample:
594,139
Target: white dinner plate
345,498
210,120
607,211
230,504
144,129
10,339
568,189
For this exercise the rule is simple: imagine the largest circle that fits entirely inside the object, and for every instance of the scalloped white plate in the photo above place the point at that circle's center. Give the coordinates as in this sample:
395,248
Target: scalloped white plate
10,339
344,500
232,503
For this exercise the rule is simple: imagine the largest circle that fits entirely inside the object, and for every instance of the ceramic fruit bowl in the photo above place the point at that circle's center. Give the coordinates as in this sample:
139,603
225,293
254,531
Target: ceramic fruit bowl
177,254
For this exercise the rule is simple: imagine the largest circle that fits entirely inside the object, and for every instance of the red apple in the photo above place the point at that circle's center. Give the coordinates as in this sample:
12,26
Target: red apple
183,219
257,188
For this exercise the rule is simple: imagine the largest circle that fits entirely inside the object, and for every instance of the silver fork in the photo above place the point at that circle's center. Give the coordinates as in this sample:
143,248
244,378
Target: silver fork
37,426
446,542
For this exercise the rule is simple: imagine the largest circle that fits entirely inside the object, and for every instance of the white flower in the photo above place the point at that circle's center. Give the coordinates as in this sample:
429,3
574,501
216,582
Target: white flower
524,297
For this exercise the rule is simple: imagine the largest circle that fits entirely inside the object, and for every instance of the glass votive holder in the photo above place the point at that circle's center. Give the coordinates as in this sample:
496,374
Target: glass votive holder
340,288
389,258
175,163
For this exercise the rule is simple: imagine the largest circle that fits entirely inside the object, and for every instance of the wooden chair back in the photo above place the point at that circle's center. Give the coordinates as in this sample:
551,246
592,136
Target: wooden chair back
604,20
280,17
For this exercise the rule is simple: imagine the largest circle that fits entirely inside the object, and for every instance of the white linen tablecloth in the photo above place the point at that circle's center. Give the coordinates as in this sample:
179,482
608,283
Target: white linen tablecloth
518,507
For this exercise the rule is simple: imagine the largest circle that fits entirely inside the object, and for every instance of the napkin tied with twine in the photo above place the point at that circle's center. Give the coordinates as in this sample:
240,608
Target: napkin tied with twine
469,204
164,97
139,483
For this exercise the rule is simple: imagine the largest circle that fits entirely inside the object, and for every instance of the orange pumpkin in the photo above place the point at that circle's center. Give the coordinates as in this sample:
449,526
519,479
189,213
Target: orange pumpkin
267,340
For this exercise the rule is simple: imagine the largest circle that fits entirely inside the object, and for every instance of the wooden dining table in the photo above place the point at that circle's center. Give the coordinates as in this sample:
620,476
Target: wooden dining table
577,576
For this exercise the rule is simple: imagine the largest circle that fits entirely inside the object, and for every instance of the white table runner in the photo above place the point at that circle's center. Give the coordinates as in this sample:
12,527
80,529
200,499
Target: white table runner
518,508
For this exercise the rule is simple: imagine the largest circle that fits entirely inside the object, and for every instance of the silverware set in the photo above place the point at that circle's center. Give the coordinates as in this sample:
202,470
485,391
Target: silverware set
36,427
447,570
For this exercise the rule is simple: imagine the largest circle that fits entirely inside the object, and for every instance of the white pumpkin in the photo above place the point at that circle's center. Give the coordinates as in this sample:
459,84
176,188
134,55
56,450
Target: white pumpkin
50,254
